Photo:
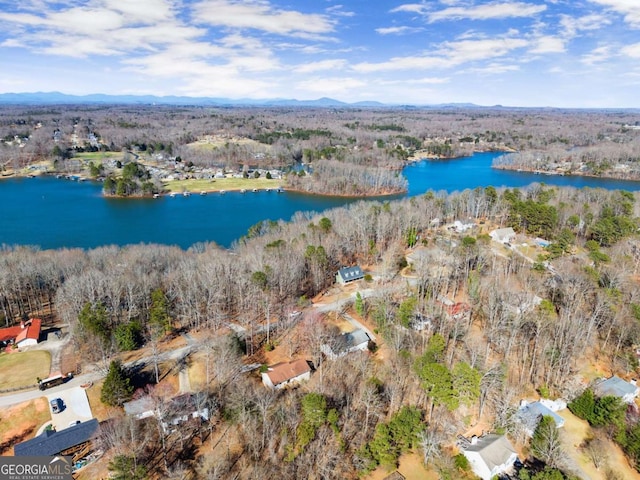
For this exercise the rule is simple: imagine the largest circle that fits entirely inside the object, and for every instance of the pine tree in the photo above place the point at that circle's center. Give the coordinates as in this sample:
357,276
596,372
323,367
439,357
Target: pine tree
117,387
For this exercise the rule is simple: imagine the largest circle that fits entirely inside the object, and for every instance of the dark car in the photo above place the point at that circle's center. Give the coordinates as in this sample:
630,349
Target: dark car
56,405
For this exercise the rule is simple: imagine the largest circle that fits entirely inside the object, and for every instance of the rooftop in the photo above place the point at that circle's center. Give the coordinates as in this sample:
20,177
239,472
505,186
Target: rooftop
51,442
282,372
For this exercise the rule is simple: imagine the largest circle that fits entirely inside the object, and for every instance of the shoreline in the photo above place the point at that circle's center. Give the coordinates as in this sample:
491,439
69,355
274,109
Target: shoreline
536,171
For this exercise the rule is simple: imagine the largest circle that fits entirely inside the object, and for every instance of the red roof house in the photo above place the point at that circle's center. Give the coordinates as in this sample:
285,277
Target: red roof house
29,333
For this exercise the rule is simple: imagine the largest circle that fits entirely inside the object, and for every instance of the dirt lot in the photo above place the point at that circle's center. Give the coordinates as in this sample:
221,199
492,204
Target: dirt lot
21,422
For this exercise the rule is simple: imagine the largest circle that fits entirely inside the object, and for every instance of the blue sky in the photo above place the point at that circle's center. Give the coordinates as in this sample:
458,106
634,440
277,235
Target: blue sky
563,53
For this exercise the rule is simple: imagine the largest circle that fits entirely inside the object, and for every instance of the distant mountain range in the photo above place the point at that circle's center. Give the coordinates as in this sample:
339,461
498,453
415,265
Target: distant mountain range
52,98
57,98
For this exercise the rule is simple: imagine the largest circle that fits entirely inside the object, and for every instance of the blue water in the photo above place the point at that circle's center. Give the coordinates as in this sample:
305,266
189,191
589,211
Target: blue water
56,213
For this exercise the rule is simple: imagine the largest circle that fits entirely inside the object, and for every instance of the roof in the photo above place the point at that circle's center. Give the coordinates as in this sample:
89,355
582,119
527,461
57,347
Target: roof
140,406
9,333
616,387
356,337
285,371
395,476
494,450
536,409
351,273
51,442
502,232
30,331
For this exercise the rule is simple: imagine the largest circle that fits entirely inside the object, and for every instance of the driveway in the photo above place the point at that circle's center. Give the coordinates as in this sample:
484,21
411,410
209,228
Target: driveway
76,407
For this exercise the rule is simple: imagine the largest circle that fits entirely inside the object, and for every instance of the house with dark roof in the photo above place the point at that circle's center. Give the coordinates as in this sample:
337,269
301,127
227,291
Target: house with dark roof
283,374
617,387
349,274
490,455
75,441
354,341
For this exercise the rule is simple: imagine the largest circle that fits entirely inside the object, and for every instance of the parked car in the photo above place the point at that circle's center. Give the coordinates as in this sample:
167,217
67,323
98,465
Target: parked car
56,405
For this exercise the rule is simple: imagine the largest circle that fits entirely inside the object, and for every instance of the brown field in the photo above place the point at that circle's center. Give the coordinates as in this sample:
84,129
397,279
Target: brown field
21,369
21,422
410,466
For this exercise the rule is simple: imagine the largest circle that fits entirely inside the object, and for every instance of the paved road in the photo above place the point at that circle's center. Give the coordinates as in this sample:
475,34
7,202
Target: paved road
93,375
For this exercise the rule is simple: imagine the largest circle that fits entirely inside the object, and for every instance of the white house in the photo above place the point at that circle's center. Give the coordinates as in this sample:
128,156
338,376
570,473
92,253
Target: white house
503,235
616,387
490,455
286,373
531,413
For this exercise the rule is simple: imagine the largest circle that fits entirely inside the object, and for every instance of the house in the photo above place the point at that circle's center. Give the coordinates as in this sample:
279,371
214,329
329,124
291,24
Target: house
23,335
616,387
349,274
184,408
503,235
29,333
460,227
490,455
176,411
143,407
354,341
75,441
283,374
530,414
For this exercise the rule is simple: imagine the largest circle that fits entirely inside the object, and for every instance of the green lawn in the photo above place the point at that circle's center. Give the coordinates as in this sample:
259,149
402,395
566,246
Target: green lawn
197,186
97,155
23,368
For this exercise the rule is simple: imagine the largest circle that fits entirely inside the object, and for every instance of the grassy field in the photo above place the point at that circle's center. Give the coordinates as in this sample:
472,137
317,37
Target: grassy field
215,185
25,419
23,368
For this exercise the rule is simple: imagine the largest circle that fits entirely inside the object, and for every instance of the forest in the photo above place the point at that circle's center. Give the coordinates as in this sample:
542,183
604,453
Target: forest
365,145
413,390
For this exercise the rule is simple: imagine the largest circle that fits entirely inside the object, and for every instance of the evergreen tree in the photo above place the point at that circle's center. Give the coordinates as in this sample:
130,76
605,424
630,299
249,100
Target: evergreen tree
124,467
117,387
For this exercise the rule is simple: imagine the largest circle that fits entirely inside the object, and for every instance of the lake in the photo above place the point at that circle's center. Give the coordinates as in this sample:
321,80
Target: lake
57,213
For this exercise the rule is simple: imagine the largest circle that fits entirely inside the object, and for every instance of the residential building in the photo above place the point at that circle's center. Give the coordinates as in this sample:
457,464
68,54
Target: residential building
349,274
29,333
75,441
531,413
617,387
354,341
490,455
503,235
284,374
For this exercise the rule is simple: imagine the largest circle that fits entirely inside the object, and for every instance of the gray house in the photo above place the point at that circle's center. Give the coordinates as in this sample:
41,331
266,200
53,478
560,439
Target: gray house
354,341
349,274
616,387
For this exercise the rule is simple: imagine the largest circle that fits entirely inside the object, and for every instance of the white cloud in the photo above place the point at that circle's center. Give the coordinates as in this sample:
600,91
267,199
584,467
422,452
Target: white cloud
320,66
338,10
410,8
449,54
404,30
574,25
259,15
494,69
597,55
632,51
331,85
548,44
488,11
629,8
